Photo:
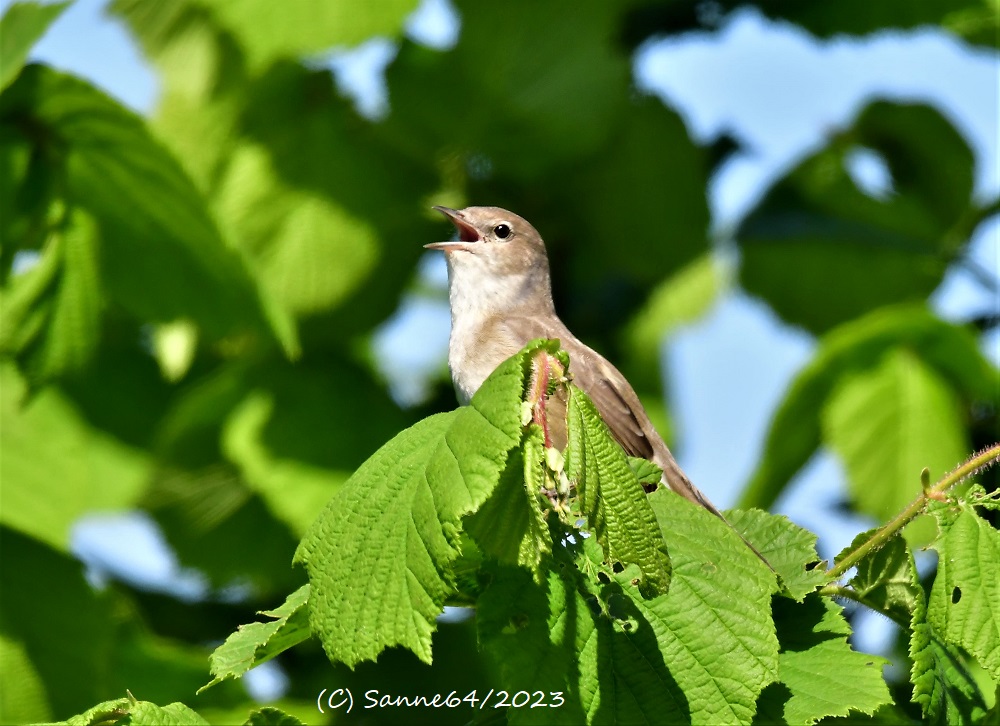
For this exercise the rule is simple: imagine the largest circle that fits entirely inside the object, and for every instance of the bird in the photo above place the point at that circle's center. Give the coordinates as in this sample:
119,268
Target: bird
500,295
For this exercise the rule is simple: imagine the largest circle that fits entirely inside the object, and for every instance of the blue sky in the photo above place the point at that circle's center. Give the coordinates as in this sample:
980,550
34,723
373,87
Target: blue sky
777,90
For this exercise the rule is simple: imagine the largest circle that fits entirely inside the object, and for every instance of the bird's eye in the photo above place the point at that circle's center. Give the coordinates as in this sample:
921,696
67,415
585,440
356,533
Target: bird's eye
502,231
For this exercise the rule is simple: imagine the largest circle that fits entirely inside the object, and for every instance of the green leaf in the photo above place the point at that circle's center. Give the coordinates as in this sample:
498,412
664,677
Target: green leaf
162,257
557,91
701,653
510,526
549,638
293,489
314,231
22,25
886,581
206,513
309,251
51,313
26,299
37,634
198,110
679,300
721,645
242,465
388,532
161,668
853,252
24,697
613,501
790,549
301,28
137,713
276,155
964,605
819,675
381,554
645,471
795,431
102,712
144,713
359,241
269,716
651,167
992,716
888,423
261,417
942,684
977,494
257,643
73,329
122,392
56,467
975,20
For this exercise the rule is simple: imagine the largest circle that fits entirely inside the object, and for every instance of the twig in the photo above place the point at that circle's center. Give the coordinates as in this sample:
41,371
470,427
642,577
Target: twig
976,463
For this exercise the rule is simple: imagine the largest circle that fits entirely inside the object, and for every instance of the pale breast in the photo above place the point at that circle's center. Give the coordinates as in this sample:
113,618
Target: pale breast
479,300
475,349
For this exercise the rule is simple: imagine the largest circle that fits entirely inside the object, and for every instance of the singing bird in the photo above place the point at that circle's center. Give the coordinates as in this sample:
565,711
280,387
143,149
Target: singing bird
500,294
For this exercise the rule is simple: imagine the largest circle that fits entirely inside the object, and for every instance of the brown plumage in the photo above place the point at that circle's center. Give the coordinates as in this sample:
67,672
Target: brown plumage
501,298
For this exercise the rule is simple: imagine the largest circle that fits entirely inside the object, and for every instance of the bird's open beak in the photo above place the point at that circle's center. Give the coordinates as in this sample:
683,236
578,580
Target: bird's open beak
468,235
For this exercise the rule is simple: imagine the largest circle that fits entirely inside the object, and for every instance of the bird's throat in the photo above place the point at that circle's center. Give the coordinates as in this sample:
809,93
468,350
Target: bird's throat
478,290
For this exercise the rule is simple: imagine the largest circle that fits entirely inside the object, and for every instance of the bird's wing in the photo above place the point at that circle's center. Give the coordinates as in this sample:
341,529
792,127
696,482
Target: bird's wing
629,423
612,395
615,400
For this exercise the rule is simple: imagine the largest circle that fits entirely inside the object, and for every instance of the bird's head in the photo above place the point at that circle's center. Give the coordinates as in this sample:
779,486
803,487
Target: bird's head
492,241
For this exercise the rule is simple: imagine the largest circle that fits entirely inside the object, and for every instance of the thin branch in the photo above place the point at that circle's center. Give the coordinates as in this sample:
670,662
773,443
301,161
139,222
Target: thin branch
971,466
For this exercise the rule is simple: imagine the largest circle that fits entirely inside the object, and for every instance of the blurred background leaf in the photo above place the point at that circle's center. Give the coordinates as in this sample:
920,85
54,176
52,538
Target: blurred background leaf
853,250
22,25
970,18
856,351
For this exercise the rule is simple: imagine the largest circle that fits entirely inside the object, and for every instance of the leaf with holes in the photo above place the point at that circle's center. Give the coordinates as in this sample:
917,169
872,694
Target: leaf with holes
789,549
700,653
613,500
964,605
942,682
